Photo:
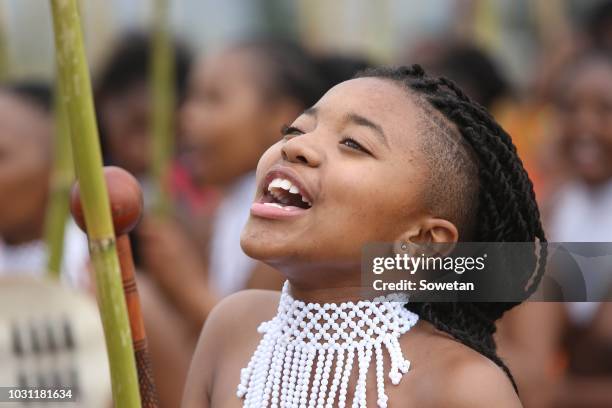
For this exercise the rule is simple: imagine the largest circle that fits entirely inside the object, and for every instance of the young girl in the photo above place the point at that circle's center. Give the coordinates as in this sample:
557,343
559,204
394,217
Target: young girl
390,156
26,156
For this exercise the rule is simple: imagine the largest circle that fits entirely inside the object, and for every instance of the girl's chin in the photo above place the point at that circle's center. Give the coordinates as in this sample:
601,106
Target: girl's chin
261,246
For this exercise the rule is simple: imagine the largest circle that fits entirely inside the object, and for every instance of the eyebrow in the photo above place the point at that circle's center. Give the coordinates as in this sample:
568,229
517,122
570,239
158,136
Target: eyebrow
357,120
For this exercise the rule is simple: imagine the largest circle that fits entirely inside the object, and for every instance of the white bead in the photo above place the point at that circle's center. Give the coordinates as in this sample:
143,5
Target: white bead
395,377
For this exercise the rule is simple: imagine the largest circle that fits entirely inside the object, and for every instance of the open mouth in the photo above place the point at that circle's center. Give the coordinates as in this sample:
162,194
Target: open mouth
282,193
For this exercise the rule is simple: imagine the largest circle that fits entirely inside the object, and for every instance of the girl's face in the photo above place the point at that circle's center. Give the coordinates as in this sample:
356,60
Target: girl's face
127,121
355,156
586,121
226,121
25,159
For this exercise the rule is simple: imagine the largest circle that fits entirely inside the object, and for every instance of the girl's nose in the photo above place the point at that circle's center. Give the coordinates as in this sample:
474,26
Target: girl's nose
298,150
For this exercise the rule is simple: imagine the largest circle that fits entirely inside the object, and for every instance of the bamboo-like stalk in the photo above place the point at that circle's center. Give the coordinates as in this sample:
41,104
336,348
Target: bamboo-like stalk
164,100
62,177
4,52
77,98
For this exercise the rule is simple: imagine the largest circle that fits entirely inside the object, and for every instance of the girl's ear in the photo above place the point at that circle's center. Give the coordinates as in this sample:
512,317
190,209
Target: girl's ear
431,230
438,230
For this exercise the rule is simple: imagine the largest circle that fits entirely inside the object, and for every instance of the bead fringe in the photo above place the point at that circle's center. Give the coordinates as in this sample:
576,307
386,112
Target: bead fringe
292,365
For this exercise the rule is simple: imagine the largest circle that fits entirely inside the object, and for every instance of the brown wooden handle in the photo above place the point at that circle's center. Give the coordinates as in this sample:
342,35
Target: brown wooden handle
129,288
148,392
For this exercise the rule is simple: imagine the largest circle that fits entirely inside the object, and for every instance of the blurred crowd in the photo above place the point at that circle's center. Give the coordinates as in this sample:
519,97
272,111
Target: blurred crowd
230,106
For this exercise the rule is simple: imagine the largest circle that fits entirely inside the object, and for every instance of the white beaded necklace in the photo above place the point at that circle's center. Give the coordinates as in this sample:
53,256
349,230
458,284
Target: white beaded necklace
280,370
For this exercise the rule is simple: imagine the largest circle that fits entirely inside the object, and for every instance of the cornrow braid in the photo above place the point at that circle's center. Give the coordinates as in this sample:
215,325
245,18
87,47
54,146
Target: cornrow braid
506,209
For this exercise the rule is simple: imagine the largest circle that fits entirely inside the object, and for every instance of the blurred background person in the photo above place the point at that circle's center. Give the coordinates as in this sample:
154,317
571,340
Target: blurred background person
581,212
26,154
123,103
123,99
568,363
581,209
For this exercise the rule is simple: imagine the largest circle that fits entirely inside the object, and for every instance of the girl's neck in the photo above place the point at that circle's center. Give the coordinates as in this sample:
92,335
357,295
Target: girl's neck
30,230
326,293
23,235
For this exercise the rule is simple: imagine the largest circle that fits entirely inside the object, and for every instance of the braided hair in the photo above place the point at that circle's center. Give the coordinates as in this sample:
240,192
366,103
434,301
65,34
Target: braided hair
500,200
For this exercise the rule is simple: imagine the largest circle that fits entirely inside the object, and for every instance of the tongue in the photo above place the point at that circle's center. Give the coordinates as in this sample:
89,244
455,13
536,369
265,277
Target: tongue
296,201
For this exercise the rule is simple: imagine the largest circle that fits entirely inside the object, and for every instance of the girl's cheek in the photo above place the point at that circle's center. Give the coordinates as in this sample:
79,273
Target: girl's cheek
270,156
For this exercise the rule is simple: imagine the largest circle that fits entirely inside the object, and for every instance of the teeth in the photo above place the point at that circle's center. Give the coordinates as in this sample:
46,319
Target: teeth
285,185
276,183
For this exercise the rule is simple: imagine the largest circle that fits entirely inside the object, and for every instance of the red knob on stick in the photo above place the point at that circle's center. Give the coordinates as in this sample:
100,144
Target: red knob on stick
125,200
126,208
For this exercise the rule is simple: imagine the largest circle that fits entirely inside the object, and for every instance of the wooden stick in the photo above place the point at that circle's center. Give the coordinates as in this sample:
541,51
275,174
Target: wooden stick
77,98
148,391
127,207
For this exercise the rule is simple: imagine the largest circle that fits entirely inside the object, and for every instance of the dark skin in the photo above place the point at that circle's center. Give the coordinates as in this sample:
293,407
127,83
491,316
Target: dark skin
25,166
319,250
585,117
126,117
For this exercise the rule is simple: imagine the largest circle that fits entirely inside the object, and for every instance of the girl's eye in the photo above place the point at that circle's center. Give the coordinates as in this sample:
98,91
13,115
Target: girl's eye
290,131
353,144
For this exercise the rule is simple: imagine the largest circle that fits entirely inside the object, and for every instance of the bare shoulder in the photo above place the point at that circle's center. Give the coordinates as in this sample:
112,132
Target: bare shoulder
258,302
243,310
473,380
223,333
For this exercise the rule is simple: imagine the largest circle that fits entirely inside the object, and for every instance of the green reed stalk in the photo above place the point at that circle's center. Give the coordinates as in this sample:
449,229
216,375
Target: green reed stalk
163,99
4,51
62,177
77,98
